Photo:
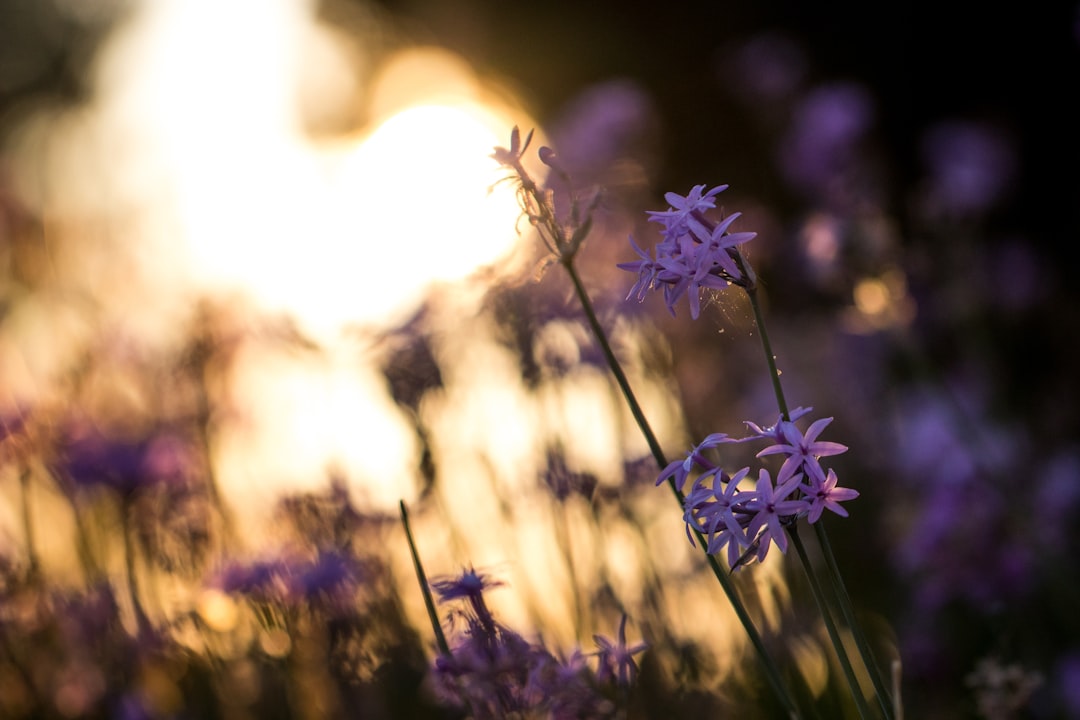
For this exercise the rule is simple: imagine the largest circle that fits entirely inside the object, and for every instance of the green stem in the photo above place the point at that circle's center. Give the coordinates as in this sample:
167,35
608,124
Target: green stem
613,364
830,626
142,621
772,673
835,578
429,603
848,610
28,524
770,358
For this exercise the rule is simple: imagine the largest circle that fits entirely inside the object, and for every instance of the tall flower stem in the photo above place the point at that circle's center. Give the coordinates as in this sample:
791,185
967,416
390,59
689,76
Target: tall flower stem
835,578
766,345
888,706
830,626
28,523
772,673
429,602
142,621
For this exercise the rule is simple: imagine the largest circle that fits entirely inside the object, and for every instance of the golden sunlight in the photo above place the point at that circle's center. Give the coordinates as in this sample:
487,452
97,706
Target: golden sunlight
347,233
193,167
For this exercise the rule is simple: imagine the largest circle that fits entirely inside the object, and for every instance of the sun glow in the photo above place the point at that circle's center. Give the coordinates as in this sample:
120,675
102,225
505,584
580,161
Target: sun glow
195,166
196,138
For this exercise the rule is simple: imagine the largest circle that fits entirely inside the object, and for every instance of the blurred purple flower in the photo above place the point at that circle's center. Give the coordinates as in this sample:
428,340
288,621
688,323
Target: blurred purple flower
616,659
327,581
969,167
562,481
768,69
821,148
1068,681
1057,495
600,128
495,680
469,585
89,458
330,575
260,580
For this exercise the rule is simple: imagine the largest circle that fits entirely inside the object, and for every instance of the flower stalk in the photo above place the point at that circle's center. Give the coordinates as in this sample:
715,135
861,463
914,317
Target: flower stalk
696,254
564,241
425,589
836,579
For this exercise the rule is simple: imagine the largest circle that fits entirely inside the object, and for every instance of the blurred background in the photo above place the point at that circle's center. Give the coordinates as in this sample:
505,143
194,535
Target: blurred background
256,288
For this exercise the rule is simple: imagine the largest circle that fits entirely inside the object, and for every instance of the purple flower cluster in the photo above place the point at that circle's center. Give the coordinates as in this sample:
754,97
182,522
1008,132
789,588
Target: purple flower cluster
748,522
328,581
694,254
494,672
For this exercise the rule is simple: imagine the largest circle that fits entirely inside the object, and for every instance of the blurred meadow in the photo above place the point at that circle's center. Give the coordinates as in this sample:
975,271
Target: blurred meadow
259,285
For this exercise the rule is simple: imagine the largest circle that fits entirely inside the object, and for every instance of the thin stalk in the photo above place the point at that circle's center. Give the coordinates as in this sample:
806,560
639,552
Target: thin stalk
884,699
835,578
204,414
830,626
142,621
770,358
28,523
772,673
613,364
20,669
429,603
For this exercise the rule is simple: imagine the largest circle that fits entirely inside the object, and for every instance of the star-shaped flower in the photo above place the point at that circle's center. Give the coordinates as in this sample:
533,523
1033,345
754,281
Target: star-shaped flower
825,495
803,450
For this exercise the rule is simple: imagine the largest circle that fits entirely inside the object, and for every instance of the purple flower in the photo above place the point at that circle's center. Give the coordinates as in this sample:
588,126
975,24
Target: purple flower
562,481
90,458
716,242
695,253
676,219
600,127
970,167
260,580
720,512
679,470
773,510
767,70
647,269
772,432
802,450
616,659
491,676
821,149
469,585
824,494
686,274
329,576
